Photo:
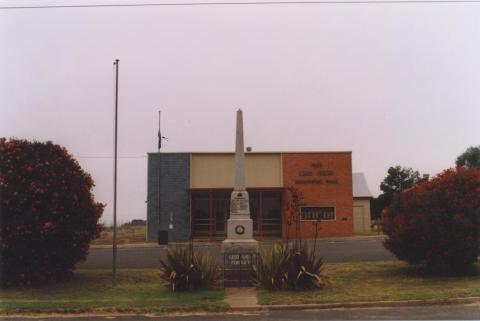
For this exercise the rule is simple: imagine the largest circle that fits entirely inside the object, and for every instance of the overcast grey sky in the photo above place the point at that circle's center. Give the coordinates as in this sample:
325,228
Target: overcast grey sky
393,83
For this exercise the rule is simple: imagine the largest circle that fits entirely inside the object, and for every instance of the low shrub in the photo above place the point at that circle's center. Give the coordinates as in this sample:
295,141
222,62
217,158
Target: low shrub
289,267
186,270
47,212
437,222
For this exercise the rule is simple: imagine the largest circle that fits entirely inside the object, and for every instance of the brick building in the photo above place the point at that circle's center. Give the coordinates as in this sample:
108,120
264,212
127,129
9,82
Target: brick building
190,193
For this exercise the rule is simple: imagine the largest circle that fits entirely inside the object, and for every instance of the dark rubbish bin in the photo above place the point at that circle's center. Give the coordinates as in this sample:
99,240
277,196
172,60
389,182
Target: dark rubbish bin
163,237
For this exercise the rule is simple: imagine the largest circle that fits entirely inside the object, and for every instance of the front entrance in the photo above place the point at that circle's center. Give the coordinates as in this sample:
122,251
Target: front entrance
210,210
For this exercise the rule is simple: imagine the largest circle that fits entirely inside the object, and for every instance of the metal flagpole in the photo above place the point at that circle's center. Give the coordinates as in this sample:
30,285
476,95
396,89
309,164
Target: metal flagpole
114,262
159,131
159,171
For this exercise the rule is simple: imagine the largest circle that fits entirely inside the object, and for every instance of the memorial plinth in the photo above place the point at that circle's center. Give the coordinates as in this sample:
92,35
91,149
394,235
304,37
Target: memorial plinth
240,224
239,249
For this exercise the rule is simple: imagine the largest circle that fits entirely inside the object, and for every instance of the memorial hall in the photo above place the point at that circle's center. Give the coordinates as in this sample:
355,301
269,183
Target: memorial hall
189,194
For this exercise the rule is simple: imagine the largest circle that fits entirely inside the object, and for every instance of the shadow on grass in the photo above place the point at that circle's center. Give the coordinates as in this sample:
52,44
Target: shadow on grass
93,279
426,272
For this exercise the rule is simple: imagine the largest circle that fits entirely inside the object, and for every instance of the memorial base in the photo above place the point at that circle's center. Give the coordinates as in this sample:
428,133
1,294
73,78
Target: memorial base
239,259
249,245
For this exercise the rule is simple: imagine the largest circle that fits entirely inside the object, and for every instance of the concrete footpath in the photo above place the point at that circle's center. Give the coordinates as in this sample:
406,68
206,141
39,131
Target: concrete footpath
241,298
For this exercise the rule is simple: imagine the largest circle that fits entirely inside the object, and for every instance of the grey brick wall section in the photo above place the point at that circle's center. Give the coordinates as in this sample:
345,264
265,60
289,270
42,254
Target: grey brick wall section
174,171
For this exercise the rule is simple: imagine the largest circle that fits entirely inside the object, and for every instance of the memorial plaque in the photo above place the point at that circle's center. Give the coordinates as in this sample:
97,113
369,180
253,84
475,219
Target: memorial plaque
238,268
238,205
239,260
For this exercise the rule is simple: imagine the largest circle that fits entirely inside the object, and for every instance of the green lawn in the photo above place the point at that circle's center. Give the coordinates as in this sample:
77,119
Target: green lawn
135,291
144,291
379,281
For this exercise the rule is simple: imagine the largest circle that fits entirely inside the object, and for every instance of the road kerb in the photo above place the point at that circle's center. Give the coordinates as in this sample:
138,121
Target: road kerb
346,305
207,243
259,308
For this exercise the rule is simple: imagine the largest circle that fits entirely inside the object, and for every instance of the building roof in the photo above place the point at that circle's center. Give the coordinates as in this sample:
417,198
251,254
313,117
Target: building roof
360,187
258,152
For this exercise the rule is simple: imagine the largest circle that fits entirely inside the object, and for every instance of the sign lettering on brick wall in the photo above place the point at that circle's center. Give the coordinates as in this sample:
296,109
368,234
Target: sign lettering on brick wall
317,213
316,175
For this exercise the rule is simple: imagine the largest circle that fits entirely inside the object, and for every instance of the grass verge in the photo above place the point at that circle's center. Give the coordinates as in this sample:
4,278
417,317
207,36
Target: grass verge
93,291
380,281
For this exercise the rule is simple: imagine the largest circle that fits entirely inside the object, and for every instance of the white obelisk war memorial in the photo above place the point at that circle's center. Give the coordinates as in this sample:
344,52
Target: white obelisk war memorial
239,225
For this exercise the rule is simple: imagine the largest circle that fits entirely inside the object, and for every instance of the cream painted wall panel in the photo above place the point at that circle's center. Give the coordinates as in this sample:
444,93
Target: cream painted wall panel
263,170
212,170
217,170
358,218
361,207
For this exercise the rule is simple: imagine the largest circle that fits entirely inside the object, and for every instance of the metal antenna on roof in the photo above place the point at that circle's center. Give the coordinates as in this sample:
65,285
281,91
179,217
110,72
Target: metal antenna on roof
160,137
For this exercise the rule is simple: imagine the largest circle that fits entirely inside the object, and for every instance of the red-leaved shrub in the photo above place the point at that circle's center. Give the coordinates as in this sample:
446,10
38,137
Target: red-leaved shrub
437,222
48,215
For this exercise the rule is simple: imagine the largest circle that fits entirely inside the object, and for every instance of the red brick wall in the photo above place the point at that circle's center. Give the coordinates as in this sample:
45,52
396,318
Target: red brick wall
297,167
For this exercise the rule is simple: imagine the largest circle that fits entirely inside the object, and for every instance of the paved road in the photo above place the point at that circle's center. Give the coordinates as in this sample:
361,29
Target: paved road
332,251
435,312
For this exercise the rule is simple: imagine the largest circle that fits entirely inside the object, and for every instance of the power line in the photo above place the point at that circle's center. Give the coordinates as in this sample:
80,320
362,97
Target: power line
110,157
179,4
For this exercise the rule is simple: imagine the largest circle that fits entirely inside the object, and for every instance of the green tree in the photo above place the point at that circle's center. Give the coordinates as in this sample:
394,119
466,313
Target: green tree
436,222
398,179
48,215
470,158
